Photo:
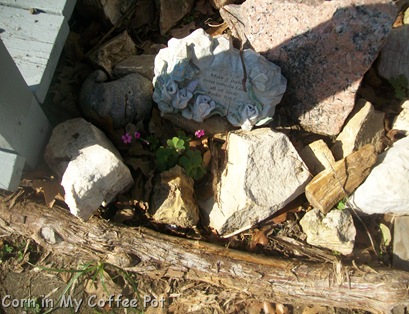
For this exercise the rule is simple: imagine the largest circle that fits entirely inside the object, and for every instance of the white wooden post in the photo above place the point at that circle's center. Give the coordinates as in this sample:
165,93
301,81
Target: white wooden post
23,126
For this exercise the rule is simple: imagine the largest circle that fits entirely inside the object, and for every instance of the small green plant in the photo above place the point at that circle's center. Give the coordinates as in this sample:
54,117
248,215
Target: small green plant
400,86
342,203
178,152
32,306
96,273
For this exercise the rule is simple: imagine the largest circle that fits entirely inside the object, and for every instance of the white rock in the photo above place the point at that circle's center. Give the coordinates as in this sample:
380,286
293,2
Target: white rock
263,173
200,76
386,189
317,156
401,122
364,127
335,231
91,168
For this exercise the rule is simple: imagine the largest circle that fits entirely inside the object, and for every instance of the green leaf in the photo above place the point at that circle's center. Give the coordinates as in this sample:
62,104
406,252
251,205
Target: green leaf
386,234
166,158
193,164
176,143
341,204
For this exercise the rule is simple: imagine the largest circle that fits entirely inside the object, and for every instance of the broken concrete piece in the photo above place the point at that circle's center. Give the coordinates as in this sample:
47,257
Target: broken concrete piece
91,168
401,243
386,189
141,64
394,57
317,157
366,126
117,103
333,184
114,51
401,122
323,48
171,12
173,201
335,231
200,76
263,173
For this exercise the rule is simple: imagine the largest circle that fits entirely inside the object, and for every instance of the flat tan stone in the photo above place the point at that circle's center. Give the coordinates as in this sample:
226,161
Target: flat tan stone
317,156
332,185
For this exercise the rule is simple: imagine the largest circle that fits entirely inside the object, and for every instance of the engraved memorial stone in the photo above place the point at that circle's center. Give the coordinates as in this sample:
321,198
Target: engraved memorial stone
199,76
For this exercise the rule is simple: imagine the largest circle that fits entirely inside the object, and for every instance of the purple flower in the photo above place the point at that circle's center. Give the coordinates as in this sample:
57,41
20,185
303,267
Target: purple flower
126,138
137,135
199,133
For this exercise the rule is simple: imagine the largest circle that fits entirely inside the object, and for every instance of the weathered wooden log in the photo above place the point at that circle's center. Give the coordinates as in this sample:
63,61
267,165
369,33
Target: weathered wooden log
285,281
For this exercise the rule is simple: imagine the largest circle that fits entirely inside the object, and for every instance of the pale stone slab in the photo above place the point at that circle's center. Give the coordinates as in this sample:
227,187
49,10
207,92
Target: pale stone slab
401,122
386,189
200,76
173,201
323,48
317,156
91,168
366,126
263,173
333,184
335,231
401,243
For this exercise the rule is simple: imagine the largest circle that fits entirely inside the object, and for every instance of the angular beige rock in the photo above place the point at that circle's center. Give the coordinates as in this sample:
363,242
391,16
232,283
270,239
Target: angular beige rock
323,47
334,231
317,156
173,199
91,168
114,51
401,122
171,12
141,64
394,56
366,126
332,185
263,173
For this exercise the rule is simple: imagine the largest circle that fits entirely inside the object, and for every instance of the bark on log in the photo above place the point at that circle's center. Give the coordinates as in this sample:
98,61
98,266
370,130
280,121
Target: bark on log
276,280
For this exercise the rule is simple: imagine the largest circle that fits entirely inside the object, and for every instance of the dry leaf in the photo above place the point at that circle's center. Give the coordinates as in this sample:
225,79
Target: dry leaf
52,190
258,237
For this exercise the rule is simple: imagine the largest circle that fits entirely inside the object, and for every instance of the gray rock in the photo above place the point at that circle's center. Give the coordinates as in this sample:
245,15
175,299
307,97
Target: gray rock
173,200
394,56
366,126
171,12
125,100
91,168
200,76
141,64
114,51
401,243
335,231
263,173
386,189
323,48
